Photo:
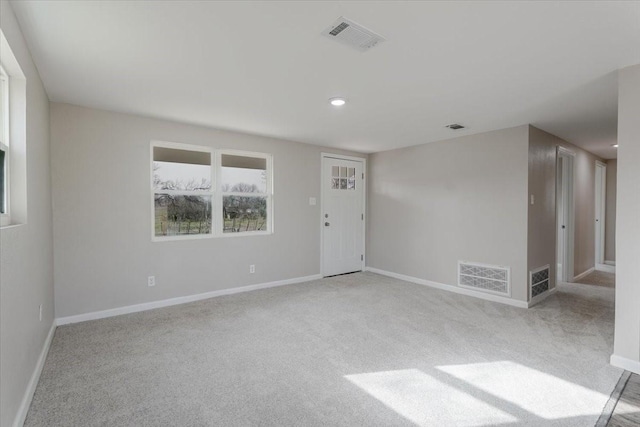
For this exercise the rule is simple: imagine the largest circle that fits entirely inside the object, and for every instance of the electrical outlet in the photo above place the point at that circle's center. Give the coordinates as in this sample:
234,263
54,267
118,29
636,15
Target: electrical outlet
252,269
40,312
533,199
151,280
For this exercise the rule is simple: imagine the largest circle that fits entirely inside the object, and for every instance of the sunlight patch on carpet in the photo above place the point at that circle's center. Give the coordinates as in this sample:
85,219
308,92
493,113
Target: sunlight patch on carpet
426,401
536,392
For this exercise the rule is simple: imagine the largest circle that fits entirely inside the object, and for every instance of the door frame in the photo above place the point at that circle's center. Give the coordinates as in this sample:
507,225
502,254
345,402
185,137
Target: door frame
567,268
363,160
600,226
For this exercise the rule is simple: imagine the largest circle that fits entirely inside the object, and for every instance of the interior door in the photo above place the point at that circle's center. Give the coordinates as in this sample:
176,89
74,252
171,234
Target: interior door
342,216
561,233
564,215
600,210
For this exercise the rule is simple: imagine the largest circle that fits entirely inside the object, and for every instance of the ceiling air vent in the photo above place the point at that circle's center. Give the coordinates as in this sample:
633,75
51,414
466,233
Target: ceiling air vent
354,35
454,126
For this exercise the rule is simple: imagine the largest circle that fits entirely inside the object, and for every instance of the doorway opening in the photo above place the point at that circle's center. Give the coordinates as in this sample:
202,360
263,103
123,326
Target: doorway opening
564,214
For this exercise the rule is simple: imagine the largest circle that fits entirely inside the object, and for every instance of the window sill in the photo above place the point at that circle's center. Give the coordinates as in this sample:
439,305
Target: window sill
209,236
10,226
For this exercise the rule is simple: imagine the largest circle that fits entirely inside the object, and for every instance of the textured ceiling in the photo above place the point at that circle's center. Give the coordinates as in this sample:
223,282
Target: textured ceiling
264,68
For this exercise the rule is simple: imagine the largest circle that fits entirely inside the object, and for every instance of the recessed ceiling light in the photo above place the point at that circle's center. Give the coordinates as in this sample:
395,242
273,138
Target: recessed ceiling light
337,102
615,145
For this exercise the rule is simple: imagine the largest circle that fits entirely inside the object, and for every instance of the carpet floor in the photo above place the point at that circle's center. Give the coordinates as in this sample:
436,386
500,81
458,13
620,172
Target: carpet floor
359,349
599,278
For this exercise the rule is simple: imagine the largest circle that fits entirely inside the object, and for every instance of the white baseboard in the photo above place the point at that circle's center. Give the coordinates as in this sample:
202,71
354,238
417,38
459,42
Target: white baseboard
33,381
539,298
179,300
610,262
450,288
606,267
626,364
584,274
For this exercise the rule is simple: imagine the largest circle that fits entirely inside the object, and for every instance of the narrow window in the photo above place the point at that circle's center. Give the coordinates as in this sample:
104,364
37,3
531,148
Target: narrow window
182,190
246,192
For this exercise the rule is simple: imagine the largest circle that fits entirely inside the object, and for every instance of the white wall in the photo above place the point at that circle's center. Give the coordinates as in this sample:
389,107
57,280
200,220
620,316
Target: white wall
102,215
460,199
26,276
541,241
627,329
610,213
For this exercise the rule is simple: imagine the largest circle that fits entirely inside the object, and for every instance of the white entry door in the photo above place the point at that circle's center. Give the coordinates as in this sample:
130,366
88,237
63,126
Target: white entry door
342,216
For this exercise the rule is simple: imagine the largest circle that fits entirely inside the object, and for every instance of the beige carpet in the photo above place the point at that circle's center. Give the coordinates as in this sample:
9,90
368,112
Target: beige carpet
355,350
599,278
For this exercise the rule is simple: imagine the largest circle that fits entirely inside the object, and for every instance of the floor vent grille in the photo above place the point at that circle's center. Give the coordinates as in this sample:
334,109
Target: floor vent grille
486,278
539,280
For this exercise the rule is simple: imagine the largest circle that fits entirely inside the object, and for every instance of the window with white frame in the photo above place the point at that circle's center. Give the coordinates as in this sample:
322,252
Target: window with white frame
244,184
200,192
5,218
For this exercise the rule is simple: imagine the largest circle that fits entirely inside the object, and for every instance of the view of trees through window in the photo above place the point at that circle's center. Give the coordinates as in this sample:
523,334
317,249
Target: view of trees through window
184,195
244,206
176,211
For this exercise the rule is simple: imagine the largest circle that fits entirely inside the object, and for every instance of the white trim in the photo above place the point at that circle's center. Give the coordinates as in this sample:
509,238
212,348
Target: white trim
179,300
343,157
607,262
584,274
606,268
179,146
363,160
451,288
539,298
35,377
626,364
564,150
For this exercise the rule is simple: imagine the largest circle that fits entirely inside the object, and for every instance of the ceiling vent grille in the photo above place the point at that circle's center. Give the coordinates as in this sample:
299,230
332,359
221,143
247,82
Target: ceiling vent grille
351,34
494,279
539,280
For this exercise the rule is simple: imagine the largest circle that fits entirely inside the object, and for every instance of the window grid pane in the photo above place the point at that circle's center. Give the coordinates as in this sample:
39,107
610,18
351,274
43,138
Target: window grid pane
244,213
177,215
343,178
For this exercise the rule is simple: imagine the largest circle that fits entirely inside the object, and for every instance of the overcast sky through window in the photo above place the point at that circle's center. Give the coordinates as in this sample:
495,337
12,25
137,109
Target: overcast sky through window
170,171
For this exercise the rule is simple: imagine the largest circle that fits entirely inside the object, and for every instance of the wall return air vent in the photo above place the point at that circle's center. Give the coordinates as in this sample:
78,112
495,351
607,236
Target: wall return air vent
351,34
539,280
493,279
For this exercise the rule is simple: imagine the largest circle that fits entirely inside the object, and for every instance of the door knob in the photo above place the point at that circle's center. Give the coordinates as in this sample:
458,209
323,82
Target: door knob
326,224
